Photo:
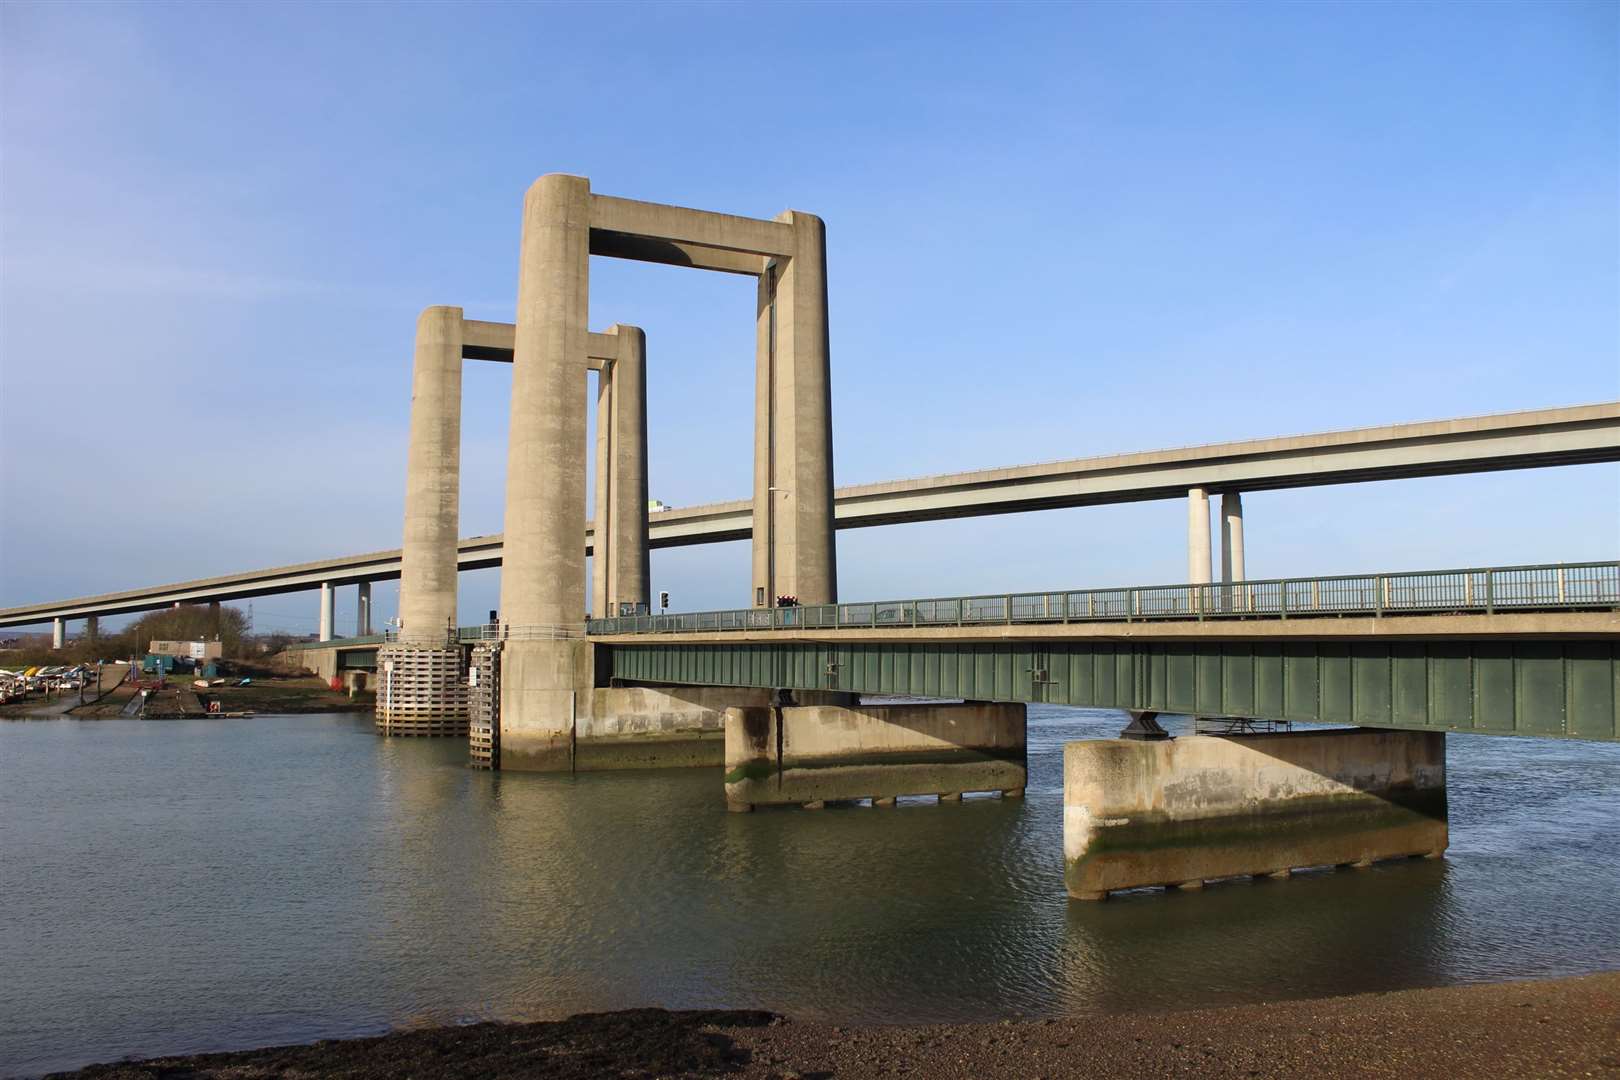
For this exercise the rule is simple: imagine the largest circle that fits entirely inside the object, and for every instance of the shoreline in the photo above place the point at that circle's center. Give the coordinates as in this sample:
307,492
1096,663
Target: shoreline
1528,1028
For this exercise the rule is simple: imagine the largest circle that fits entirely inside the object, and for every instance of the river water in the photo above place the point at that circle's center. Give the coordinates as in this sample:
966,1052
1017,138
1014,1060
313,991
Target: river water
170,887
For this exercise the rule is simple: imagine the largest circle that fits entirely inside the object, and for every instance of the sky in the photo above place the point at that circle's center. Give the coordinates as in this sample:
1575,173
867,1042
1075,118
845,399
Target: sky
1053,231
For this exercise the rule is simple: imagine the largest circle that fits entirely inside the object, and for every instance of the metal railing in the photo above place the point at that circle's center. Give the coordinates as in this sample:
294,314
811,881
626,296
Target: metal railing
1488,591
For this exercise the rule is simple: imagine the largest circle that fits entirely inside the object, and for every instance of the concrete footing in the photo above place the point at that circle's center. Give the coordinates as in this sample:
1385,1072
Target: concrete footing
1182,812
645,727
810,755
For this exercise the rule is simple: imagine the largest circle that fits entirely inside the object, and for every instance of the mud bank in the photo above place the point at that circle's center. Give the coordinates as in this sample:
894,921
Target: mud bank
1564,1027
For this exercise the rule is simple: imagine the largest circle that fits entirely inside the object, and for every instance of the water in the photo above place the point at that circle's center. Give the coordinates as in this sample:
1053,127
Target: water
170,887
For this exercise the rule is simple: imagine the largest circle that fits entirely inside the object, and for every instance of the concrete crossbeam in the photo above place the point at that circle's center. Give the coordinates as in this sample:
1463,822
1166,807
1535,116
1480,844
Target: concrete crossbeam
699,228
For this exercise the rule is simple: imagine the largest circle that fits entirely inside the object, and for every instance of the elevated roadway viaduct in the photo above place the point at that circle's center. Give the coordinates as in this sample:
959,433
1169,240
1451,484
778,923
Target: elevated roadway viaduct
1539,438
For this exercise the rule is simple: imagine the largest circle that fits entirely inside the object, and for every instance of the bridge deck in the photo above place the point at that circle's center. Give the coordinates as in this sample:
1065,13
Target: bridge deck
1532,439
1507,651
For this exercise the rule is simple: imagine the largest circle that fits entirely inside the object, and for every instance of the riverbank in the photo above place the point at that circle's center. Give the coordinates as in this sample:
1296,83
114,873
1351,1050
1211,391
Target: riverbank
273,695
1553,1028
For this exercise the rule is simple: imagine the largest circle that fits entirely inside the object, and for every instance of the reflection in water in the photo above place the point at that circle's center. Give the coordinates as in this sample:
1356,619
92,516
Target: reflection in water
170,887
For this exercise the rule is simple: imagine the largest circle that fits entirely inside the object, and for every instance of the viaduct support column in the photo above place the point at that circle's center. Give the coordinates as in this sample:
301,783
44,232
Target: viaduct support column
629,573
794,552
1198,569
215,625
1231,536
92,629
326,611
422,685
362,609
545,671
58,633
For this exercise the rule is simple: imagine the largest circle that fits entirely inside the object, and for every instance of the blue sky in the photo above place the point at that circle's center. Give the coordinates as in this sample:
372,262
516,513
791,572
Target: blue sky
1053,231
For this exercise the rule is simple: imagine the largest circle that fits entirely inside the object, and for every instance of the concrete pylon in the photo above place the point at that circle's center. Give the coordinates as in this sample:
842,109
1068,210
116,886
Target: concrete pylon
215,622
1198,560
1232,536
542,575
92,629
545,667
794,549
362,609
326,611
629,574
602,538
620,566
427,582
58,633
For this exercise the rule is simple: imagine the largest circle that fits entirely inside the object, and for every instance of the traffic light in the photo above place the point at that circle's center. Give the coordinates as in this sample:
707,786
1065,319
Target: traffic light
663,600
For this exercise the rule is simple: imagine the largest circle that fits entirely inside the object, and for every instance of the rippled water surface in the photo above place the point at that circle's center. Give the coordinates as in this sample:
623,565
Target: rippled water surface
176,886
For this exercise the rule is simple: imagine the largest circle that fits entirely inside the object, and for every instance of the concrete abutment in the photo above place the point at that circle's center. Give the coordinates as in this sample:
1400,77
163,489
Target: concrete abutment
1184,811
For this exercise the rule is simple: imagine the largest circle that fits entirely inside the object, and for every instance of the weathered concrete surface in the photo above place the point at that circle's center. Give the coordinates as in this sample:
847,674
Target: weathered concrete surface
543,576
322,662
813,754
1187,810
794,553
665,727
629,579
545,686
427,586
644,727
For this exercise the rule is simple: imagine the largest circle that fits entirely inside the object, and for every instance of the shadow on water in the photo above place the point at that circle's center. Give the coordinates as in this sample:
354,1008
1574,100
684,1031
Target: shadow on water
197,885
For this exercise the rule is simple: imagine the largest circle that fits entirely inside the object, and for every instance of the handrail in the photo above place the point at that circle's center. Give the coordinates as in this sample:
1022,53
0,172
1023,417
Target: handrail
1490,590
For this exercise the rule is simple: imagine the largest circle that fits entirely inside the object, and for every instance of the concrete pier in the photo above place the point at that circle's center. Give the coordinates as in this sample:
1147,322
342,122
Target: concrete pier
327,612
427,583
602,541
1198,561
794,549
362,609
621,565
812,754
58,633
629,578
92,629
545,668
1184,811
1232,536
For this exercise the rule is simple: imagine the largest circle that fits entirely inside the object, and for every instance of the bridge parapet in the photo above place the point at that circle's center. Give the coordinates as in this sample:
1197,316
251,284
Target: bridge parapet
1490,590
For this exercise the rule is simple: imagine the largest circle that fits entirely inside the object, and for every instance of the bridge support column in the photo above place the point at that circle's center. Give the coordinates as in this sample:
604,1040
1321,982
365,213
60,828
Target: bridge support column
1198,568
813,754
545,666
92,629
216,625
1232,536
602,538
427,579
362,608
326,611
58,633
794,549
1192,809
421,678
620,567
629,569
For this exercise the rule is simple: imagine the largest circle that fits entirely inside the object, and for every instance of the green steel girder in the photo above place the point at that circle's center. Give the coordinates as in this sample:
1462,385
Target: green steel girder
1544,688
